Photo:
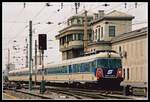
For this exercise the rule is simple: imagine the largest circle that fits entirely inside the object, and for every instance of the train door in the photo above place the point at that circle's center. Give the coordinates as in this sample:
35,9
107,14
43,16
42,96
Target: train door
69,72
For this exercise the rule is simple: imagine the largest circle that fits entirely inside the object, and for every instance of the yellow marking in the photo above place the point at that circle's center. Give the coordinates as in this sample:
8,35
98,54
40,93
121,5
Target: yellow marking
13,97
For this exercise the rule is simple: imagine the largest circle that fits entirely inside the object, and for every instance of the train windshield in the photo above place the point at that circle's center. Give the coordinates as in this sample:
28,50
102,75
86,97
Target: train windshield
109,63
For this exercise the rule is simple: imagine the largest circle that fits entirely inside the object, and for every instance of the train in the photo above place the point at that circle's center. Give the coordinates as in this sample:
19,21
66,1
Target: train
103,68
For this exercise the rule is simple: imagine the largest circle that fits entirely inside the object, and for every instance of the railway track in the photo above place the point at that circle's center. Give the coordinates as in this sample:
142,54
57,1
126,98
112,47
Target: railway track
28,94
78,93
87,93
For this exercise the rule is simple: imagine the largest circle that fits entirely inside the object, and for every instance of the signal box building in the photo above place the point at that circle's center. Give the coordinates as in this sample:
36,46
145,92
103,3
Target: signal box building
71,37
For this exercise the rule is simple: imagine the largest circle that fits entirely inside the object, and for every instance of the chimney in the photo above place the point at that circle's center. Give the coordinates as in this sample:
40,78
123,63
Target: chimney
100,14
95,16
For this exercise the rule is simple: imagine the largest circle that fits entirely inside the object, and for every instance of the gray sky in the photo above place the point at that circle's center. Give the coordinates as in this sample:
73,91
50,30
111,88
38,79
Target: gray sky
15,21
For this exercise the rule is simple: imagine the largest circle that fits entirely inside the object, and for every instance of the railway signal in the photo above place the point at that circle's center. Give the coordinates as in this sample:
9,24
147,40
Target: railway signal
42,47
42,41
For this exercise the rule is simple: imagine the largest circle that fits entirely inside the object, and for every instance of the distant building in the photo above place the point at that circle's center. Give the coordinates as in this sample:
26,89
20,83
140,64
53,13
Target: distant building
71,37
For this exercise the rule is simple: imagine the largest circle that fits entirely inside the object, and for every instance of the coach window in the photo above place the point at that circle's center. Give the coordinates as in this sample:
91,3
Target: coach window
127,73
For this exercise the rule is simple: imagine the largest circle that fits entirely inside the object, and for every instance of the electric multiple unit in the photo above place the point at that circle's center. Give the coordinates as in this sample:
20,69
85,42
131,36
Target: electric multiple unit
104,68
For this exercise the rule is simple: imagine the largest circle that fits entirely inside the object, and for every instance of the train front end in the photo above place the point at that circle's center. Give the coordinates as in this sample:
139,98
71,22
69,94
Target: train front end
109,72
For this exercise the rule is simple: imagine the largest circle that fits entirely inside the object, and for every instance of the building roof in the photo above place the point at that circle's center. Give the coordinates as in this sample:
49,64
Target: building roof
114,15
77,16
129,35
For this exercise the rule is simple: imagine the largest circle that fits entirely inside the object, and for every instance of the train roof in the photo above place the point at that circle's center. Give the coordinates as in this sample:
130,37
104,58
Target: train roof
92,57
75,60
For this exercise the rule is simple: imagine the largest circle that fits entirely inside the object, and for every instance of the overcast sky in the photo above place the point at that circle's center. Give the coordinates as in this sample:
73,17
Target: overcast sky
16,16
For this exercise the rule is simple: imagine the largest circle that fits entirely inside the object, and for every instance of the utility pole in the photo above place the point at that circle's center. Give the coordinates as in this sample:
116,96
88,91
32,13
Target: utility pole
35,61
42,65
26,54
77,5
40,61
30,57
8,65
85,32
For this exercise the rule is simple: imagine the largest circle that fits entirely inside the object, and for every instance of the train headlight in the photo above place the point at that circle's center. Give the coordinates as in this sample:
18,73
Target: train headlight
119,72
99,73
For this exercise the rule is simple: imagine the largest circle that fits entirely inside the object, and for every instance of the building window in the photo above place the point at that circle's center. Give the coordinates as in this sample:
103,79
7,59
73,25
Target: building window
80,36
75,36
127,73
119,48
90,36
70,38
101,32
111,31
61,41
78,21
98,33
93,35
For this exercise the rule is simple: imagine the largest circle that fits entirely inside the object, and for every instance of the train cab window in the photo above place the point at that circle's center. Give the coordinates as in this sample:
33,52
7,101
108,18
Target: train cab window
127,73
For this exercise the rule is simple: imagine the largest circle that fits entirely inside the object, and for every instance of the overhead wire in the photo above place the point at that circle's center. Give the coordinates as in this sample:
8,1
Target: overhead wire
37,14
17,34
17,17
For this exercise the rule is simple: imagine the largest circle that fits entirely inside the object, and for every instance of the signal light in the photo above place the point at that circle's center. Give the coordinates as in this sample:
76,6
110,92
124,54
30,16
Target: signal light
42,41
